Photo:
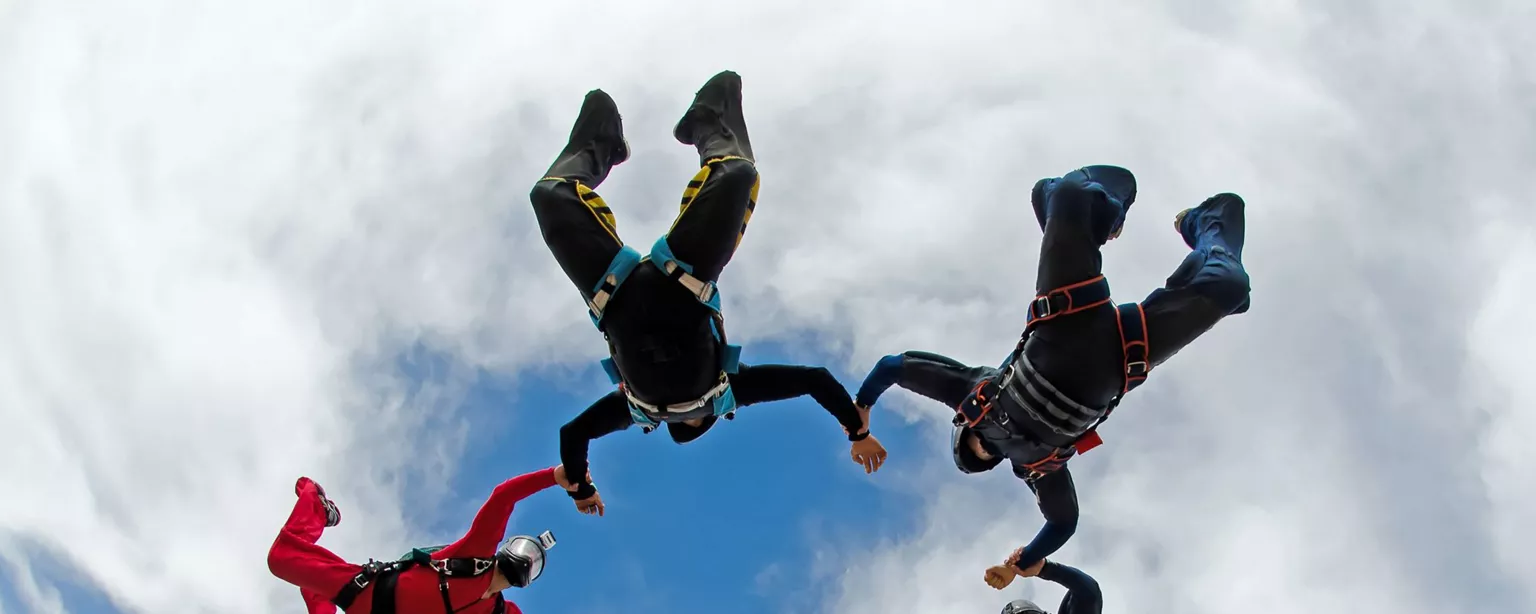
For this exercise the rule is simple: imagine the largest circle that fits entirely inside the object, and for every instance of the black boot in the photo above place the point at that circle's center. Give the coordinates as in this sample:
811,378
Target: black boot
596,145
714,123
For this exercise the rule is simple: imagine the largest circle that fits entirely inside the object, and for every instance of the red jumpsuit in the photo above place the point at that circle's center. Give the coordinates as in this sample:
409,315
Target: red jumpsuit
320,574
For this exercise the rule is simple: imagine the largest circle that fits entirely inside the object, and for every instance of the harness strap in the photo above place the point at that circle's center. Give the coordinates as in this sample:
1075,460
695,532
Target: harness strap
977,404
619,269
664,259
722,397
1047,465
442,587
372,572
1068,299
383,575
1134,348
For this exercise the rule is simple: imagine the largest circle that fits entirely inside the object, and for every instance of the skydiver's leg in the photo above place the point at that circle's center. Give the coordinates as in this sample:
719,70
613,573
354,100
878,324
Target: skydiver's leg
577,225
1079,212
1079,353
296,559
719,201
1209,285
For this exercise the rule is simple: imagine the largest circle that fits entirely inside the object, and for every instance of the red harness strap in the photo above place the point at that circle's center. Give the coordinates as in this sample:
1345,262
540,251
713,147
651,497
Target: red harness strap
1132,321
1068,299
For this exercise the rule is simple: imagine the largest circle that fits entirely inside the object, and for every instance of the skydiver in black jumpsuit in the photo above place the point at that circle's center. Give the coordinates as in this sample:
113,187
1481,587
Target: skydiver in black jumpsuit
660,313
1080,353
1083,594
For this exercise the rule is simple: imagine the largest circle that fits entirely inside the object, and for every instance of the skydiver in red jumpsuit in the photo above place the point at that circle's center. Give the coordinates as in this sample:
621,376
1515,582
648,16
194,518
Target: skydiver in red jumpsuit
465,577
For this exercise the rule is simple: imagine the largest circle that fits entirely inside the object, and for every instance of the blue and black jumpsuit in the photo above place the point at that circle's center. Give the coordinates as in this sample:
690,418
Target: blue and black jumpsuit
1070,370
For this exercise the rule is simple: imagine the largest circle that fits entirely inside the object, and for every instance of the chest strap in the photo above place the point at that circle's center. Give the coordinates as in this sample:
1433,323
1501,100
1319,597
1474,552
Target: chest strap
721,399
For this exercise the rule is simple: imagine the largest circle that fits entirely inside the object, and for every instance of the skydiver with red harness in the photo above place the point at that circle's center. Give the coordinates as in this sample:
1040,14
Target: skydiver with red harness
465,577
1080,353
661,312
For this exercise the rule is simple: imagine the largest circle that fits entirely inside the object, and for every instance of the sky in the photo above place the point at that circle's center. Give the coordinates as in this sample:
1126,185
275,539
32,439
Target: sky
242,242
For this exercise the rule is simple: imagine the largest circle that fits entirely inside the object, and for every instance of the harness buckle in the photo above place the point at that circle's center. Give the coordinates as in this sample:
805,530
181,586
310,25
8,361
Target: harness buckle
1043,306
1136,368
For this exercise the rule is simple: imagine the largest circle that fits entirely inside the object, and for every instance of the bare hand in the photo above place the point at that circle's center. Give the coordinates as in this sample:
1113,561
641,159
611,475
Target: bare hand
1000,576
869,453
591,505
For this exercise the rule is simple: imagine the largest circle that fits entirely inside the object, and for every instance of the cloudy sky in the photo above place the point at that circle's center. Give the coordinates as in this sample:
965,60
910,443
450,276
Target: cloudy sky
246,241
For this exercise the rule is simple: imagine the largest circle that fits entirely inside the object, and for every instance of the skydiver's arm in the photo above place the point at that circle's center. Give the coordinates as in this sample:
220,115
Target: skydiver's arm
937,377
1057,497
491,522
765,383
609,414
1083,594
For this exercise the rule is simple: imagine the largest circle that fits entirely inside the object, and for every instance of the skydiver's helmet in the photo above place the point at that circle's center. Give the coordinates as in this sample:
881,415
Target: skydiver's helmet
965,458
1023,606
521,558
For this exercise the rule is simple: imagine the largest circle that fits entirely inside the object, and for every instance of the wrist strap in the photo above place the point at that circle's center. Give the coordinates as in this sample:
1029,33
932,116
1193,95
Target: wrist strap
857,437
585,490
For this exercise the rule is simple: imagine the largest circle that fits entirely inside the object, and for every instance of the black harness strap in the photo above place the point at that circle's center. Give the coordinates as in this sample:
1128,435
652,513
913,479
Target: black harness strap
383,576
373,572
384,593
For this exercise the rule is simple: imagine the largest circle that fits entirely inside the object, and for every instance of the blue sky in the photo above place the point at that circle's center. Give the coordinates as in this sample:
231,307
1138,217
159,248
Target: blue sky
761,489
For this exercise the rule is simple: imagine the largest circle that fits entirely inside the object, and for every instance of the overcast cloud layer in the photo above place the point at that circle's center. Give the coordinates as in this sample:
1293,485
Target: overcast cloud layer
220,224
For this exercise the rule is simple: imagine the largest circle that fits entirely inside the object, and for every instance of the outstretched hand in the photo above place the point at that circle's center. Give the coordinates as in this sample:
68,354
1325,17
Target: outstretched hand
591,505
869,453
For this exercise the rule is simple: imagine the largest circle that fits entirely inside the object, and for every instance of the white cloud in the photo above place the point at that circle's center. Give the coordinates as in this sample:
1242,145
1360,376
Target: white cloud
221,225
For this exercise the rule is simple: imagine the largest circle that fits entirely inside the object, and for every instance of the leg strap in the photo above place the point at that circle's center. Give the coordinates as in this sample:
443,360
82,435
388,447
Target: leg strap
619,269
662,257
1135,350
1133,344
1069,299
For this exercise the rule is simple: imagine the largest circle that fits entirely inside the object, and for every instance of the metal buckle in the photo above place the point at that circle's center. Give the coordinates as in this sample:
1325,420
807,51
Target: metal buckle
1043,306
482,564
1130,367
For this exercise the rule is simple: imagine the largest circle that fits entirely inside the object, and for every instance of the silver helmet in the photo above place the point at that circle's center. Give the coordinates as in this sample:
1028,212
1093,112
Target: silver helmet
521,558
1023,606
